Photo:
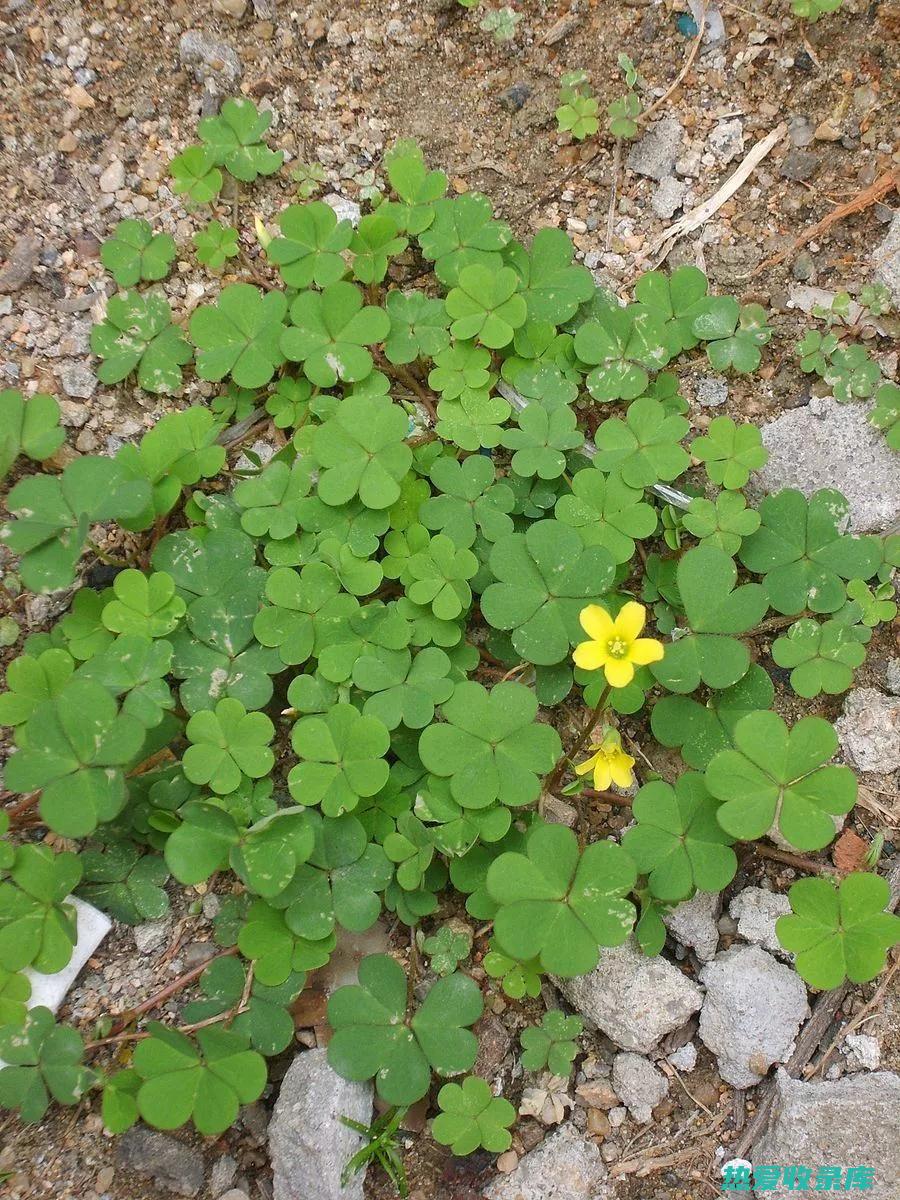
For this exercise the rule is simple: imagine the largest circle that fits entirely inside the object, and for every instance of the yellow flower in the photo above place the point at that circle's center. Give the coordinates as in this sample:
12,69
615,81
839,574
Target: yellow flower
610,764
616,645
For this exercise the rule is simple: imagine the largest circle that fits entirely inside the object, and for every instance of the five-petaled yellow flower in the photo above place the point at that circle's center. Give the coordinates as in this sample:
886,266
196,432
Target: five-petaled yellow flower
609,762
616,645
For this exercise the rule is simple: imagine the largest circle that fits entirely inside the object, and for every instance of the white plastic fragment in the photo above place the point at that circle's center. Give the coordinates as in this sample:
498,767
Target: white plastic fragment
92,926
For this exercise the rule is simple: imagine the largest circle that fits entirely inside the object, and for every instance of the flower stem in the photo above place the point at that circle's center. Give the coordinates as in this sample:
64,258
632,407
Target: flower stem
595,715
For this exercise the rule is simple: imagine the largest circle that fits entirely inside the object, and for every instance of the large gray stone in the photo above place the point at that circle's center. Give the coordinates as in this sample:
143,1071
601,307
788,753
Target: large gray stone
174,1165
658,150
831,445
753,1009
887,259
633,999
851,1122
869,729
565,1166
308,1144
213,63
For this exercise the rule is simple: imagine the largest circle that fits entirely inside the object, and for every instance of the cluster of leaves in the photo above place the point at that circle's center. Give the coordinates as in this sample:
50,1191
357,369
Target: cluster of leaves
364,577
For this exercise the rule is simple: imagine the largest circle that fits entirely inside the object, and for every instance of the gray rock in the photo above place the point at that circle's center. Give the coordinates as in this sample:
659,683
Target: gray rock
222,1175
869,729
852,1122
668,197
756,912
893,676
345,209
802,131
684,1059
113,178
151,935
727,140
640,1086
513,98
711,392
887,259
213,63
633,999
753,1009
170,1163
831,445
862,1051
77,379
308,1144
799,165
658,150
693,924
20,263
565,1166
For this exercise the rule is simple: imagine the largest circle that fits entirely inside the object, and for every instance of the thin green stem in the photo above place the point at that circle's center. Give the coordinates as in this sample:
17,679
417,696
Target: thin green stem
595,715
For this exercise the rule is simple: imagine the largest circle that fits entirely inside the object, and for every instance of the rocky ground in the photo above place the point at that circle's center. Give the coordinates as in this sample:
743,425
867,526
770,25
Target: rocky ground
95,100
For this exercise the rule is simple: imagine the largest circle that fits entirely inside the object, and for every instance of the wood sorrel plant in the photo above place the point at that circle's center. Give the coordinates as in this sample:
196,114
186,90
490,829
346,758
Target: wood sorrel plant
337,682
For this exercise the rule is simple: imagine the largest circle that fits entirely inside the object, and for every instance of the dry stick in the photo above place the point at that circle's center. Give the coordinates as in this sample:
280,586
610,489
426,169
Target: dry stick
402,375
700,215
824,1013
792,860
870,195
861,1016
688,63
613,190
131,1014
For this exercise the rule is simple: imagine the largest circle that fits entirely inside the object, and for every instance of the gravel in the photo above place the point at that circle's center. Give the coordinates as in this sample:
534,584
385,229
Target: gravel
162,1158
693,924
634,1000
656,153
308,1144
852,1122
640,1086
869,730
831,445
565,1166
756,911
753,1010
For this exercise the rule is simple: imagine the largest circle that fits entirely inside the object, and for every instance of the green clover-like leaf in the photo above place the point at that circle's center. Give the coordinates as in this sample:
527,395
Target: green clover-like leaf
43,1062
215,245
644,448
29,427
74,749
541,440
472,1116
885,415
375,242
277,951
402,689
469,501
37,928
552,286
851,373
621,347
730,452
715,610
723,522
146,605
234,140
674,300
227,744
486,306
839,933
677,841
124,882
418,327
342,758
374,1038
205,1080
446,949
195,174
490,746
239,335
266,1021
803,552
309,250
329,333
137,334
552,1044
606,512
463,233
820,657
362,452
135,253
545,577
31,680
307,610
778,777
733,334
560,905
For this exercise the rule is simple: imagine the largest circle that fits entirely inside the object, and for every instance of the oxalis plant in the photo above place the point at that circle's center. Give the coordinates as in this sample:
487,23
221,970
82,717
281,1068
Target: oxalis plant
348,680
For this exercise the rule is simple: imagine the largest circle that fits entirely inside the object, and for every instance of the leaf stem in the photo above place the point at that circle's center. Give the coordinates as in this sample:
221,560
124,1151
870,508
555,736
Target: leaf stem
595,715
